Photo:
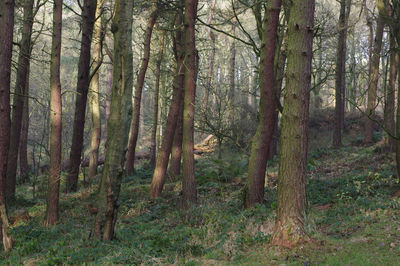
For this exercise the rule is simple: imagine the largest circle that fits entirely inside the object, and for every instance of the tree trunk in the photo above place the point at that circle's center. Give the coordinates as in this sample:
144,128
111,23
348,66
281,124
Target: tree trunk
56,118
130,157
82,89
153,144
23,146
391,92
373,81
211,63
118,123
232,71
18,99
176,152
279,70
290,222
265,129
398,118
188,182
94,101
6,39
108,103
340,82
171,125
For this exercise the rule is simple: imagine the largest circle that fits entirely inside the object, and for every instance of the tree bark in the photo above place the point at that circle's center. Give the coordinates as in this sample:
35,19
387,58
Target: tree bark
6,39
232,71
189,183
18,99
130,157
23,147
82,89
56,119
290,222
265,129
171,125
373,81
118,123
94,101
391,93
340,81
176,151
211,63
153,144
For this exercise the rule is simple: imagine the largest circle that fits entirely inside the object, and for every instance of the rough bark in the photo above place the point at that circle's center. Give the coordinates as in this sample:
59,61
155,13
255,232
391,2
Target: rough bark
153,144
168,136
6,38
82,89
176,151
23,147
188,183
373,81
290,221
265,129
130,157
94,102
55,119
18,99
340,73
118,122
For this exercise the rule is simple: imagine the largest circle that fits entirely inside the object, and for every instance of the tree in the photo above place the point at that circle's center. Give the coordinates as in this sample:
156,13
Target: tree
94,102
265,129
210,62
188,182
176,151
391,93
153,144
19,98
373,80
290,221
340,85
160,169
118,122
130,157
55,120
6,39
82,89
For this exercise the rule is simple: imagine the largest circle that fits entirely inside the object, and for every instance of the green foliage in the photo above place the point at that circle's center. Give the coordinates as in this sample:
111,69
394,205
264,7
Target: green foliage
353,186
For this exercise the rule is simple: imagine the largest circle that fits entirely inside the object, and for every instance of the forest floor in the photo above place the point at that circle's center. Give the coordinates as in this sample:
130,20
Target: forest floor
353,217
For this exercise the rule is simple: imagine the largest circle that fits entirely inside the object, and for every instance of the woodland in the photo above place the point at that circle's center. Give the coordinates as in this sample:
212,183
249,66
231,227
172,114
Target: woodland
200,132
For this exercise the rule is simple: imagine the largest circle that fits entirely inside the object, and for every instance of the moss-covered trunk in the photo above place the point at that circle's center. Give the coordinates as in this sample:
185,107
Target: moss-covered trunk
82,89
130,157
55,119
291,217
265,129
6,38
94,102
118,122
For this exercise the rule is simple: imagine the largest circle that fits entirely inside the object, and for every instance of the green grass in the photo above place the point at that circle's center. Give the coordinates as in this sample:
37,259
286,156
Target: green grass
353,218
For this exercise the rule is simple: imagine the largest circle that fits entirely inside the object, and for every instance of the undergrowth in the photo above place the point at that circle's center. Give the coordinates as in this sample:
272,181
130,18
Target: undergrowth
353,218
